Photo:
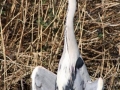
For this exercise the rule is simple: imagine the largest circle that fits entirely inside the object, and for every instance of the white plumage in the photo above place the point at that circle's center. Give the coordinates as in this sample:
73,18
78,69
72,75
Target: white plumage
72,73
71,70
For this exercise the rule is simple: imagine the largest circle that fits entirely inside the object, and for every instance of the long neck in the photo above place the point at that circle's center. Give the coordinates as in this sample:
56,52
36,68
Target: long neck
70,12
70,41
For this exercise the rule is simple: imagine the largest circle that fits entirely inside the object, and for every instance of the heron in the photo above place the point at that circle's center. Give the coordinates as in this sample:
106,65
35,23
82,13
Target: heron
43,79
72,72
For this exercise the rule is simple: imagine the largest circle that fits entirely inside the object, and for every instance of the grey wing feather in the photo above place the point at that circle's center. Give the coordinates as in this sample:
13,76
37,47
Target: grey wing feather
96,85
87,84
43,79
78,83
84,73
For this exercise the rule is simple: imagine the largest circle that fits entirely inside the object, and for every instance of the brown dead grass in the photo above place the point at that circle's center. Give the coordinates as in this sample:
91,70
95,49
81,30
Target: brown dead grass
32,35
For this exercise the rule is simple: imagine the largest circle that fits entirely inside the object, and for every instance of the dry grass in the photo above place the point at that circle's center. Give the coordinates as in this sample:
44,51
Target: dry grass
32,35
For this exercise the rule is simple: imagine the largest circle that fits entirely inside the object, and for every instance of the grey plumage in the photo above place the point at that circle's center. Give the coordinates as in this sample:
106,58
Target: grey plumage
71,66
43,79
95,85
72,73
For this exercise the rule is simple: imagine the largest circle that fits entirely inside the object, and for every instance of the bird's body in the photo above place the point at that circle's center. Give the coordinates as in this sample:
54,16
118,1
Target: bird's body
71,62
72,73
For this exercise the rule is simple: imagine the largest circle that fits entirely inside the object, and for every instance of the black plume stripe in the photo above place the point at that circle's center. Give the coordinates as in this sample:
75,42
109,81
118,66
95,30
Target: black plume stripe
56,87
69,86
70,83
79,64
